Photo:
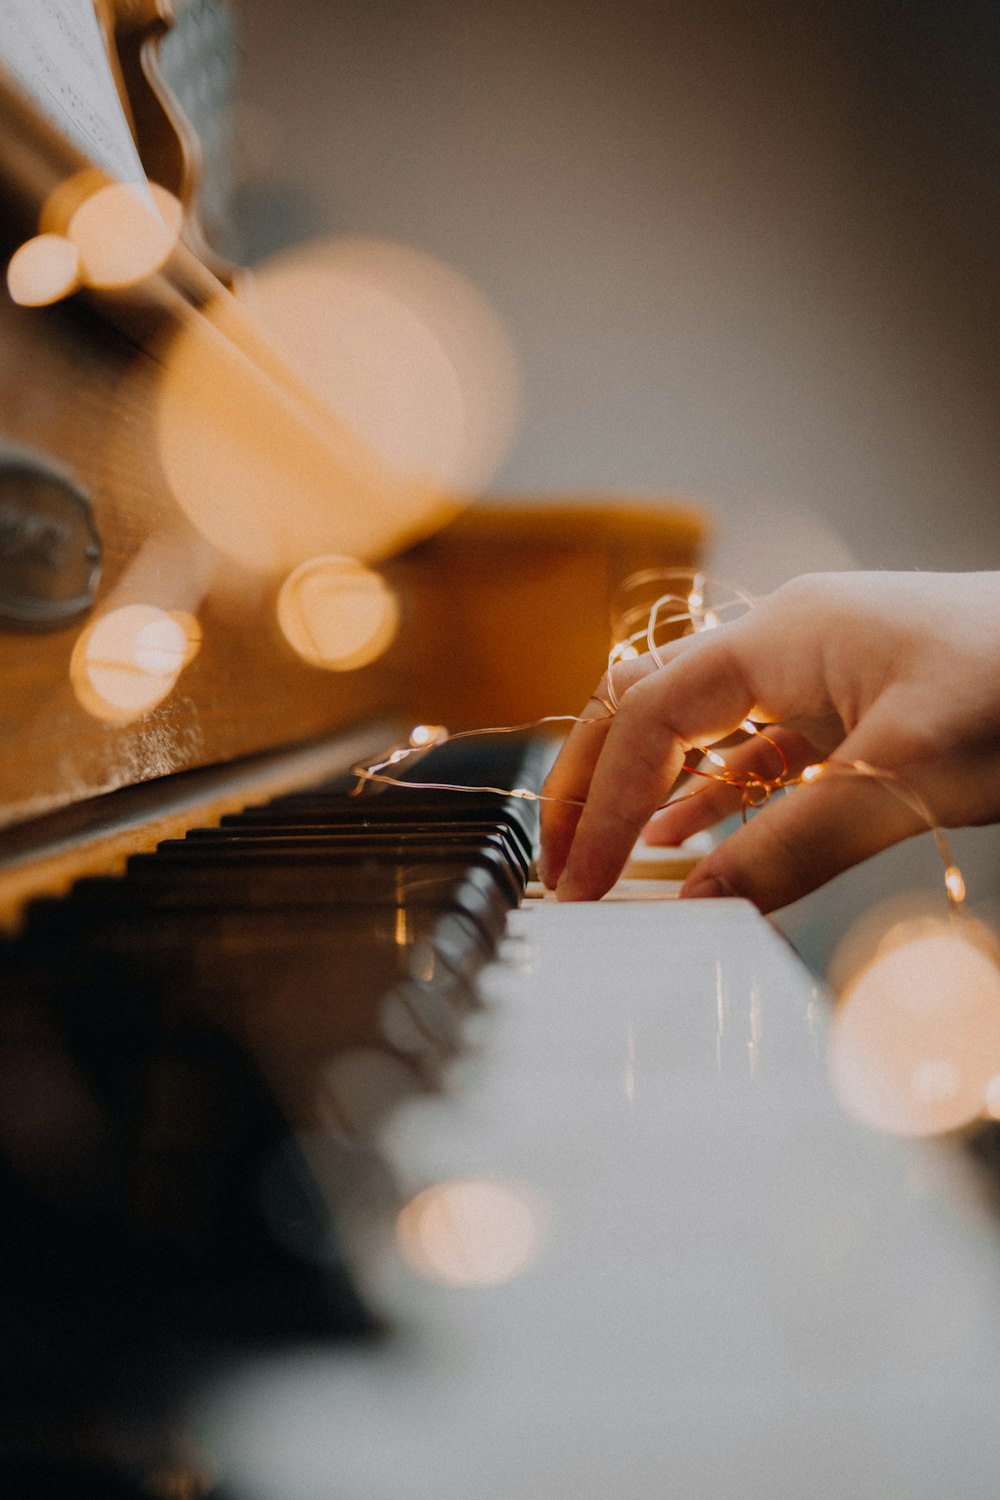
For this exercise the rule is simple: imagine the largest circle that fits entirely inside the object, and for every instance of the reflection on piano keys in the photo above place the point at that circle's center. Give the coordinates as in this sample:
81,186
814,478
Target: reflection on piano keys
718,1284
172,1046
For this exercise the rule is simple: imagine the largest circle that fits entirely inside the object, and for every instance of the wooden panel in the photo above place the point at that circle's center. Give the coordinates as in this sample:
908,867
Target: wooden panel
505,614
80,393
510,606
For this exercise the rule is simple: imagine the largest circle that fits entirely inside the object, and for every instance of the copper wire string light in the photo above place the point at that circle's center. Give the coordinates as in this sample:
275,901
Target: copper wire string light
646,629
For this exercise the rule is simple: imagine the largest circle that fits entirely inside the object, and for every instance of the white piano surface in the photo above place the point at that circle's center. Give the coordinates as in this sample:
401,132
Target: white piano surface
737,1290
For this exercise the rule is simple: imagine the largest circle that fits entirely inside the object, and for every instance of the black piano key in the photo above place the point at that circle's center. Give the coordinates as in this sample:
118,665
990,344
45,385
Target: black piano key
502,761
154,1199
505,763
388,849
288,981
381,835
433,810
419,885
92,914
496,761
192,1010
350,831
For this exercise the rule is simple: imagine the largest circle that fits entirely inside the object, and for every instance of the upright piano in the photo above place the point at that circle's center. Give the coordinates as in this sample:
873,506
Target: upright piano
336,1158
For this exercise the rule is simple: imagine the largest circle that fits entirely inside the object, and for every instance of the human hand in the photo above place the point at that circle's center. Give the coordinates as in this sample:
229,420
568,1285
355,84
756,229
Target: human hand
897,670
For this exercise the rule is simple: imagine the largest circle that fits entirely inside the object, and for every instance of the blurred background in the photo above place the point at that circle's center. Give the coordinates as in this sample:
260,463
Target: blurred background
744,254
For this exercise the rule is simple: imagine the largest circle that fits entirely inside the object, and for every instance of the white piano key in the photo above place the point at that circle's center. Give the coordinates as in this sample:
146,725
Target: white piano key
735,1288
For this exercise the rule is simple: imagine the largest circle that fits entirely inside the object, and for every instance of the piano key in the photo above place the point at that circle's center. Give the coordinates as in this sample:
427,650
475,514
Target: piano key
433,808
420,887
374,834
394,837
289,982
320,960
711,1268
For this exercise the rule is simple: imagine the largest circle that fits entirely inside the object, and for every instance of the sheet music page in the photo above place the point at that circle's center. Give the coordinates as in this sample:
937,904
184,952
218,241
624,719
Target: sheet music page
55,50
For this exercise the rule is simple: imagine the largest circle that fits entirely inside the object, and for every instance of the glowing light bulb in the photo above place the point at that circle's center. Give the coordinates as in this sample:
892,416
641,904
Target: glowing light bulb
716,759
813,772
422,735
954,885
44,270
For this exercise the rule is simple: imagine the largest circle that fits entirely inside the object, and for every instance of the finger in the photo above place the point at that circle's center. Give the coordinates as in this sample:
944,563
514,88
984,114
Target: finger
568,782
779,754
699,696
692,813
565,789
804,838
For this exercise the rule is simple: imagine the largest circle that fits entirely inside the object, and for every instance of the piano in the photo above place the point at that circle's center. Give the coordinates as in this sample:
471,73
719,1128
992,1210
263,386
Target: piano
337,1158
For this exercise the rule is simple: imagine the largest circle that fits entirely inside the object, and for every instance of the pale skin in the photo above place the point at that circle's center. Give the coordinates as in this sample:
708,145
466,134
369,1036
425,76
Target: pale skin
897,670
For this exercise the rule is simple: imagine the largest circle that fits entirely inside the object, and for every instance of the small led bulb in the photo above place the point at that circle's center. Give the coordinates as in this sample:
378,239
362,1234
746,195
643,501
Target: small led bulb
424,735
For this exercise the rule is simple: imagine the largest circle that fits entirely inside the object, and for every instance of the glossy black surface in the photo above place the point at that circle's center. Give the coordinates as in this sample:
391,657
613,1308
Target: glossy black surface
166,1042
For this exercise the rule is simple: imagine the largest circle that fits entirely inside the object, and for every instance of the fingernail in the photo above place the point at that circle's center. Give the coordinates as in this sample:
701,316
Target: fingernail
705,888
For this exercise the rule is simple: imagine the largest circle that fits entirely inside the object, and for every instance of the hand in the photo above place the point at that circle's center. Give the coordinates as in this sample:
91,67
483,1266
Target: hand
898,670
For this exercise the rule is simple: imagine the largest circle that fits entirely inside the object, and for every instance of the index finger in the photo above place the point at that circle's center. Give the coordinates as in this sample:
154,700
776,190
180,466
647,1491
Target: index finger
565,788
701,694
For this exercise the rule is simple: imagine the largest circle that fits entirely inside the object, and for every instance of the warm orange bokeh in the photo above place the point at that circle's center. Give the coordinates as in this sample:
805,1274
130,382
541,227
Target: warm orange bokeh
121,239
129,660
402,347
470,1232
44,270
265,472
915,1039
337,614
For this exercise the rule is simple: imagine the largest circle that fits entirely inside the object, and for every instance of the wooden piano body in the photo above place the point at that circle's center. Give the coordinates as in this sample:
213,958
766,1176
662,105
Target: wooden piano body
586,1219
500,589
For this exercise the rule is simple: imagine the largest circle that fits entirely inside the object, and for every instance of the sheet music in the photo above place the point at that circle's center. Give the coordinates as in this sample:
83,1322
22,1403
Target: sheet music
55,49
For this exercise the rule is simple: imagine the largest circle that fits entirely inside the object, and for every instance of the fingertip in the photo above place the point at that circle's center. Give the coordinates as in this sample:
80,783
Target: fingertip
553,850
574,884
568,888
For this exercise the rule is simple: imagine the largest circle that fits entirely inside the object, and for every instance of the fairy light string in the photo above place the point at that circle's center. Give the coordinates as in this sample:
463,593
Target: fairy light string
645,629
